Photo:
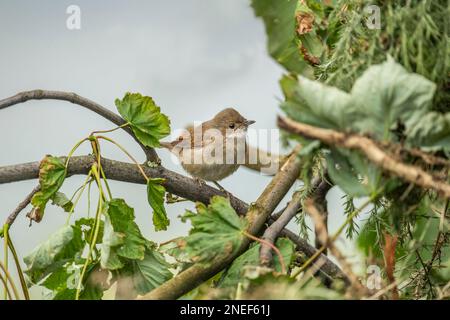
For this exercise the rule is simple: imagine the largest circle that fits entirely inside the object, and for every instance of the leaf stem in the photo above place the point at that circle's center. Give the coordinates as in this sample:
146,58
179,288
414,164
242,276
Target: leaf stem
80,193
110,130
9,278
23,283
128,154
5,249
95,231
274,248
73,150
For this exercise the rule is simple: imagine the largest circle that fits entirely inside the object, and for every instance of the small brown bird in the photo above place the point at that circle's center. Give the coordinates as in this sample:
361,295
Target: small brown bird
215,149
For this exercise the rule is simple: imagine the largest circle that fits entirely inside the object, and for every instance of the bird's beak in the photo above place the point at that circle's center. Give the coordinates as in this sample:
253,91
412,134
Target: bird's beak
249,122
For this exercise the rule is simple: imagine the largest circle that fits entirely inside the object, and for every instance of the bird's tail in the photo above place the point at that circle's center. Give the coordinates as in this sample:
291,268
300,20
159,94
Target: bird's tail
167,145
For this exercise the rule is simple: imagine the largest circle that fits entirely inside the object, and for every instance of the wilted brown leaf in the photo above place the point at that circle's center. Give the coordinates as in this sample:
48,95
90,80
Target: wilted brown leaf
305,22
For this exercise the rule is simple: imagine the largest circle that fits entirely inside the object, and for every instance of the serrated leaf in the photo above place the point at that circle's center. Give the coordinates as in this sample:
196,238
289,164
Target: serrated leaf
122,237
316,104
155,197
59,248
52,173
216,230
150,272
386,94
233,275
145,118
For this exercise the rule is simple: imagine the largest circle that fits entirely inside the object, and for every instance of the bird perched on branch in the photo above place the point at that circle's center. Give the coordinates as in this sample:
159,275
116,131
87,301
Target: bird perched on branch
214,149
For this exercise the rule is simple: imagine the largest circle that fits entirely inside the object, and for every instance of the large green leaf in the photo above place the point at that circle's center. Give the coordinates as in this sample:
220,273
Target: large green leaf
52,172
316,104
150,272
59,248
122,237
155,197
431,133
387,94
280,23
233,275
216,230
147,122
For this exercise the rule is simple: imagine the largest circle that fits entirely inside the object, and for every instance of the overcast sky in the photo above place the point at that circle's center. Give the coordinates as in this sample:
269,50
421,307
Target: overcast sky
194,57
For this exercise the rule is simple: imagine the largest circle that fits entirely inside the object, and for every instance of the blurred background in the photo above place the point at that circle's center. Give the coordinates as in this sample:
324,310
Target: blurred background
194,57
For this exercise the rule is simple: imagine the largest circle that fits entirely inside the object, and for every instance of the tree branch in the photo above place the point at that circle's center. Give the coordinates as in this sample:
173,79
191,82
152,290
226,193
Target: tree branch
22,205
174,183
371,150
272,232
81,101
322,233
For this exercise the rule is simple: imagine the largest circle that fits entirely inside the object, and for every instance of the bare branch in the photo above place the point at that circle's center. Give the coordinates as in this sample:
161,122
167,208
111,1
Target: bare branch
371,150
81,101
273,231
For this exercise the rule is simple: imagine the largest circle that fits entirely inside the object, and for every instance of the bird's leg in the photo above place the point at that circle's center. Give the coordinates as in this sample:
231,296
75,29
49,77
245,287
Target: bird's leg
222,189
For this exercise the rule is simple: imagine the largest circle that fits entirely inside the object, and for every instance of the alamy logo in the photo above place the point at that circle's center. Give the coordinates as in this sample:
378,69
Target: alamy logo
373,277
73,21
373,20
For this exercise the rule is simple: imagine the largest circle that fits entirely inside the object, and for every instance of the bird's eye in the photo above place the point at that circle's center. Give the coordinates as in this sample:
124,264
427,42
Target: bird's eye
231,126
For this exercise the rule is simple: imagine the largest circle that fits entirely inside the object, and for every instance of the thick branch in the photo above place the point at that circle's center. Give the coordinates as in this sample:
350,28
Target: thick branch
371,150
174,183
256,216
81,101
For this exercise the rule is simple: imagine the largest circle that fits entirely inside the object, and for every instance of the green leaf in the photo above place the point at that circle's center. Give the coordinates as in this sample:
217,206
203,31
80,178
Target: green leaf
122,237
386,94
63,282
151,272
147,122
87,226
60,199
155,196
316,104
233,275
59,248
52,173
342,174
431,132
216,230
280,23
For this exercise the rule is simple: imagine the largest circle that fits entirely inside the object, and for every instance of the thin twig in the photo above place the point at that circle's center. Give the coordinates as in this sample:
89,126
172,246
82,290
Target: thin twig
322,232
272,232
81,101
22,205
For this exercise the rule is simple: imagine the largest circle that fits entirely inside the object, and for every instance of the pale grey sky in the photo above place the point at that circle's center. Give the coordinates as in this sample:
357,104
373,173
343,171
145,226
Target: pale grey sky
194,57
